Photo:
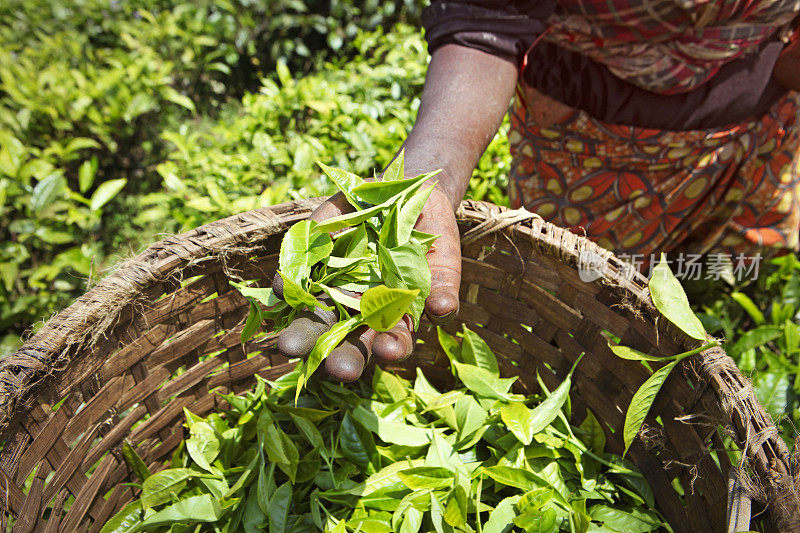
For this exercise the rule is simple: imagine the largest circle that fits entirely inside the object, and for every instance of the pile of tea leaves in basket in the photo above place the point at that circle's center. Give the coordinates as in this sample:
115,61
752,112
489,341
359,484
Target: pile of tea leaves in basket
393,455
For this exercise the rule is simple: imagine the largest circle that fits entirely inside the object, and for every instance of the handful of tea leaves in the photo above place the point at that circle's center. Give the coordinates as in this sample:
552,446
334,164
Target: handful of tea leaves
375,251
393,455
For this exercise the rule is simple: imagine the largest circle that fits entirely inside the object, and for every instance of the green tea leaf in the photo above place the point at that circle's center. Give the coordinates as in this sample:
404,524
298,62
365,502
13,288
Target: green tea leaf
308,430
324,345
449,344
475,351
425,239
383,478
634,520
297,296
396,169
134,462
593,436
388,234
773,390
265,486
437,514
344,181
669,298
443,400
749,306
513,477
253,518
246,476
426,477
536,521
46,192
641,403
549,471
358,446
203,508
482,382
406,267
86,174
341,298
106,192
203,445
385,499
470,416
412,521
260,294
355,218
519,420
282,450
409,214
158,488
253,323
302,248
343,263
387,386
352,243
455,512
313,415
502,517
127,520
279,507
547,411
755,338
391,431
382,307
630,354
380,192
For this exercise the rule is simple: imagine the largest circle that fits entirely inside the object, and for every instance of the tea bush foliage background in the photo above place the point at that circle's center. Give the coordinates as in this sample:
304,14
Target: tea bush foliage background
123,120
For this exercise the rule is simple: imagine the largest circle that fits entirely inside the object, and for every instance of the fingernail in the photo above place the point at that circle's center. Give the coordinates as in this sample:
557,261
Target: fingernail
443,319
277,286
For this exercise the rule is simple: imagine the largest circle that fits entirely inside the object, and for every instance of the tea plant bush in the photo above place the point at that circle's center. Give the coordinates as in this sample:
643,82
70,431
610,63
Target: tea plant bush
351,113
354,113
87,90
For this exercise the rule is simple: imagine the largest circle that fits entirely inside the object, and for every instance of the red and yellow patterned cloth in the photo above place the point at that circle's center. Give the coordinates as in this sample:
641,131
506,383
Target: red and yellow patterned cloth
666,46
641,191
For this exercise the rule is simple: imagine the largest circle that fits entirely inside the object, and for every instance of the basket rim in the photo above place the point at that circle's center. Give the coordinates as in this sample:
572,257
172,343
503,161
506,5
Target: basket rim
47,353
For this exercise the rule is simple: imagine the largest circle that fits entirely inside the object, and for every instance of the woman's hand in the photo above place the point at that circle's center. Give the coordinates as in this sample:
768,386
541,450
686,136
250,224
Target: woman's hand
347,361
466,95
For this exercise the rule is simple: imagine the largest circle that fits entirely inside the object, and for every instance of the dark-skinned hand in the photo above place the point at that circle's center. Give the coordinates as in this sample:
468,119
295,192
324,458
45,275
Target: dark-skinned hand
347,361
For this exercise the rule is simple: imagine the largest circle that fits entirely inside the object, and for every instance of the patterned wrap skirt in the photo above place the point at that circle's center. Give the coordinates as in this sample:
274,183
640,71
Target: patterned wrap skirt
640,191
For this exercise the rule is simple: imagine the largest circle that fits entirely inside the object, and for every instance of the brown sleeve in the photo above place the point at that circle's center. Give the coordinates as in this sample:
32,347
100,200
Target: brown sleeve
504,28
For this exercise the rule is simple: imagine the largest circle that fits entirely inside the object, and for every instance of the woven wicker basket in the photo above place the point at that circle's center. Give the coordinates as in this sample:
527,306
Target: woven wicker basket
162,333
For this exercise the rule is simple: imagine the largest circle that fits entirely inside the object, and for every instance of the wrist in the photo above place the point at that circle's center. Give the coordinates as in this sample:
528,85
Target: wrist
450,190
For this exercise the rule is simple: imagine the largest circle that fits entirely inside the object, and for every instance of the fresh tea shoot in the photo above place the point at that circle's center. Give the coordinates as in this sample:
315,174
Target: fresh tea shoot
393,455
670,299
374,252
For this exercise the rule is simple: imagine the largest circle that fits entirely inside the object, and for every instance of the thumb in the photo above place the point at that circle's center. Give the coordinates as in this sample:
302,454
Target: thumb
444,258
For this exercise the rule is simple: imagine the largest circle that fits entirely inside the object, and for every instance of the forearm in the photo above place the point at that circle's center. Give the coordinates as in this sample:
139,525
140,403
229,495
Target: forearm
466,95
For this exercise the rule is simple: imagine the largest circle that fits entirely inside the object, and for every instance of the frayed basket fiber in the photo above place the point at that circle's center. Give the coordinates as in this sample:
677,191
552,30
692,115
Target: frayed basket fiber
162,333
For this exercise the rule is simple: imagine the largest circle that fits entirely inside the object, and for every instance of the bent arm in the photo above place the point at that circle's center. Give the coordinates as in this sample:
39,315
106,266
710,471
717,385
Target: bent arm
467,93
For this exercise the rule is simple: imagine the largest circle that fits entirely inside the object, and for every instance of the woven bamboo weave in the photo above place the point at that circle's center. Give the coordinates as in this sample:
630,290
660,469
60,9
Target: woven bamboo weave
162,333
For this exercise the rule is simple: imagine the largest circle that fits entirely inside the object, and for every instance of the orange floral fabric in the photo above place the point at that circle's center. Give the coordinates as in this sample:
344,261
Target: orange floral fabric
642,191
